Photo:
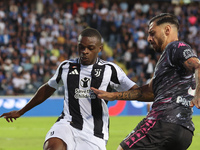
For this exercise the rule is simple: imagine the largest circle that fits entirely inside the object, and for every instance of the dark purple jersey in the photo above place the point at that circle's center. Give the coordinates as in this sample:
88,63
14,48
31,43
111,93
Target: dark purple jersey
173,86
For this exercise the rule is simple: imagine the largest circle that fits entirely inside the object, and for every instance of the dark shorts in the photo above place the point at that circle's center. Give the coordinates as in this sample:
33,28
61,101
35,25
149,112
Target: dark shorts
157,135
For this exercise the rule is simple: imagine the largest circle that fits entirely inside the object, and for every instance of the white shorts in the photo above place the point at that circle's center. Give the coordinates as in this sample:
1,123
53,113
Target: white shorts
74,138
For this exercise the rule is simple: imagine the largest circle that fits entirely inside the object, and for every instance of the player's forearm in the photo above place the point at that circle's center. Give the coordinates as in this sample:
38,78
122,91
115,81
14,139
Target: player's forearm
194,65
197,79
139,94
40,96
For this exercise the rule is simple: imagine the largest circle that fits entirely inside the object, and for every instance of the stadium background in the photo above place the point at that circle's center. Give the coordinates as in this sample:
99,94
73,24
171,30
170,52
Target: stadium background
35,36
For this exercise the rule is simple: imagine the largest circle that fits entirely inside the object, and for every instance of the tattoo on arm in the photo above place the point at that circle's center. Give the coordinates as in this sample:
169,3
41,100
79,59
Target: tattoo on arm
140,94
130,95
192,64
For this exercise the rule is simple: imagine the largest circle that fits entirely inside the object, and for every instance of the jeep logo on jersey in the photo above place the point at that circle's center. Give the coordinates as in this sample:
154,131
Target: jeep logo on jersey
85,82
97,72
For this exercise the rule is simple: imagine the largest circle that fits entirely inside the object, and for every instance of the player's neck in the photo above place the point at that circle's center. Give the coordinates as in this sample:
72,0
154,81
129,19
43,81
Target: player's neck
169,41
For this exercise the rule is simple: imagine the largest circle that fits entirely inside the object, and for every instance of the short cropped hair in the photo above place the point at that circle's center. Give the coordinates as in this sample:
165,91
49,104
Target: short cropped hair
91,32
165,18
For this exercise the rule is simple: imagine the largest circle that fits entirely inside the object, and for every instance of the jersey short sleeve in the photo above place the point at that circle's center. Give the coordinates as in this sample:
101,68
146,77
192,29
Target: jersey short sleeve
180,53
55,81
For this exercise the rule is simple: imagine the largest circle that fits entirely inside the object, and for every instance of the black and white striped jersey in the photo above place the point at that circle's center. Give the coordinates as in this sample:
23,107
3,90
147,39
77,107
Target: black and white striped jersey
82,108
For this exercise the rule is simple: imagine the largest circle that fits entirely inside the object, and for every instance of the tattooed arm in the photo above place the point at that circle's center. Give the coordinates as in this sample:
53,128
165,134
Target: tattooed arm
143,93
193,65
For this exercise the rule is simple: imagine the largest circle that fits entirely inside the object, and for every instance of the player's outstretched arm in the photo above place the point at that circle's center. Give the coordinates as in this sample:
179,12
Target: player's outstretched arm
44,92
143,93
11,115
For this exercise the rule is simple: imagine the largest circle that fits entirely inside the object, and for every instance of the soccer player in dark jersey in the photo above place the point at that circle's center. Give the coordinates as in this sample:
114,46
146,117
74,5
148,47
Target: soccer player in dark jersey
84,122
168,126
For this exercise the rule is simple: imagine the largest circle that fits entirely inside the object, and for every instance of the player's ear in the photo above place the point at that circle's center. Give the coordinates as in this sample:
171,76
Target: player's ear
167,29
100,47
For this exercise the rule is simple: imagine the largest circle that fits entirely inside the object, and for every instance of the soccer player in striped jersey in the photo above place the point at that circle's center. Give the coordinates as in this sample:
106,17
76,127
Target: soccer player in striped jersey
84,122
168,126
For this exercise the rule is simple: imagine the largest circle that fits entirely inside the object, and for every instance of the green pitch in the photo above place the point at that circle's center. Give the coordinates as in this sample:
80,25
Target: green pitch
29,132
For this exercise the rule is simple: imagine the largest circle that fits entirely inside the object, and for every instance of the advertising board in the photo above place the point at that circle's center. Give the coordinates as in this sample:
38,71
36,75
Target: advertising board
54,106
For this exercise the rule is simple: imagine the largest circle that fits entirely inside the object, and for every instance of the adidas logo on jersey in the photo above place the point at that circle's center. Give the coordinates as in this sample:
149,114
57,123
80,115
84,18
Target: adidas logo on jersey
74,72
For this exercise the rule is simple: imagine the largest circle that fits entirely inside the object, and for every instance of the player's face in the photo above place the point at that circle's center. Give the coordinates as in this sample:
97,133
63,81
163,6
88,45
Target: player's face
156,37
88,48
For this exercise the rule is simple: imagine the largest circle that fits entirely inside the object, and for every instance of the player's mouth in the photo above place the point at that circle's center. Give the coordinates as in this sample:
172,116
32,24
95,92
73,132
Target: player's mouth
84,58
153,45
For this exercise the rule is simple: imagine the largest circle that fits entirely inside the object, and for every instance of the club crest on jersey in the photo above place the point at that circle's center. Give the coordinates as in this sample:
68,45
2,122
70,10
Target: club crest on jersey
187,53
85,82
97,72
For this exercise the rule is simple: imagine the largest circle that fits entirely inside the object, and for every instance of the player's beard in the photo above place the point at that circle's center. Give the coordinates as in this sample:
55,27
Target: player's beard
160,42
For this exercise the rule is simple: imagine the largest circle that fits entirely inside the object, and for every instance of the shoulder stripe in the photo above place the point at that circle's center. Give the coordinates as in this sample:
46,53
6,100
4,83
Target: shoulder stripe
60,72
114,75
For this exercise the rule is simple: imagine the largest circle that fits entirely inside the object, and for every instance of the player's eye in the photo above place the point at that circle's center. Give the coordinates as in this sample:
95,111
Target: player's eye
152,33
91,48
81,47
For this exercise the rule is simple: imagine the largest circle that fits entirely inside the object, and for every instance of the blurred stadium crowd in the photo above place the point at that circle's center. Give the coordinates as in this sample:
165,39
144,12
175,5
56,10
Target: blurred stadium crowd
35,36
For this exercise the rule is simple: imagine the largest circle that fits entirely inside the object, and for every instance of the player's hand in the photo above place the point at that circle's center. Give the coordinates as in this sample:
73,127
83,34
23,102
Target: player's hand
11,115
195,102
103,94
